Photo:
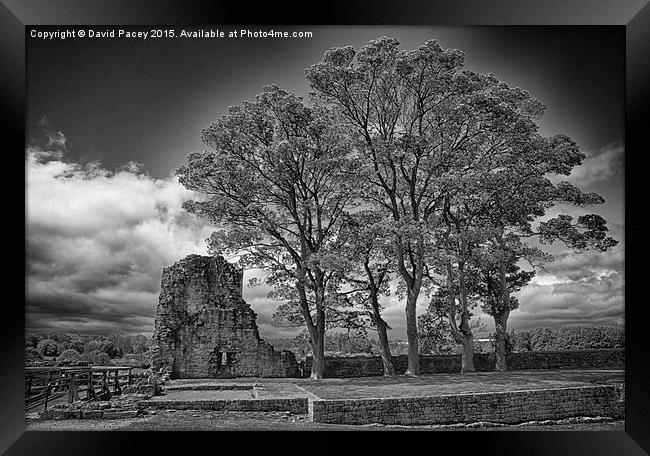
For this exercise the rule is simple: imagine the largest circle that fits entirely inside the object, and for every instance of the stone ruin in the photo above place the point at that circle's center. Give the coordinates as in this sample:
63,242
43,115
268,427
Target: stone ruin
204,329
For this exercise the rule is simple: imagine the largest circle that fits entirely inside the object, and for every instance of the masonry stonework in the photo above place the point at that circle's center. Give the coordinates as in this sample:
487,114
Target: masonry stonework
204,329
508,407
368,366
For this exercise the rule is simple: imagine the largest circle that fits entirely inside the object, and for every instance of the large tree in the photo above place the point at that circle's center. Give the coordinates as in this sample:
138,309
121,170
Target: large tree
499,189
277,184
362,266
501,276
500,121
405,108
429,136
524,193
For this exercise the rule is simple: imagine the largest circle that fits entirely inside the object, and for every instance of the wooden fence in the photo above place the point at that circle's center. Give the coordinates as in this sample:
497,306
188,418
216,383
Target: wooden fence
45,384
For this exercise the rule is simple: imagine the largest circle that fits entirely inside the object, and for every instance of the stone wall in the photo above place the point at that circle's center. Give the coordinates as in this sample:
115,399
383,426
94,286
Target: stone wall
369,366
297,405
204,329
123,406
503,407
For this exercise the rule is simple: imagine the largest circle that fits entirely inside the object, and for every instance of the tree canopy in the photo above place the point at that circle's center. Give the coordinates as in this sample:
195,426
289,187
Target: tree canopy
403,165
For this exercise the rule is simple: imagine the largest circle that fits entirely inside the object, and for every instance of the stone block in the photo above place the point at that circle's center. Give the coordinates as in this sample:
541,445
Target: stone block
115,415
92,414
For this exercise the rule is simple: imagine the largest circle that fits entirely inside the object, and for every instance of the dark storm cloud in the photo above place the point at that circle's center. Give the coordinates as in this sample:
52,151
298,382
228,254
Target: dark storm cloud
69,310
103,276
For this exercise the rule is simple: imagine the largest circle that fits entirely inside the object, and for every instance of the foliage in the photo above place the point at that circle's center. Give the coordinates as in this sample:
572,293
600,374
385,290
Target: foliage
32,354
123,343
575,337
96,358
32,340
140,347
350,342
509,346
112,343
111,350
69,355
276,184
48,347
132,360
435,334
94,344
451,177
363,271
404,110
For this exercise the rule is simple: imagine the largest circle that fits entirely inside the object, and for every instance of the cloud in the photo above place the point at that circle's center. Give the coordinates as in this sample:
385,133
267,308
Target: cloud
599,166
576,288
97,241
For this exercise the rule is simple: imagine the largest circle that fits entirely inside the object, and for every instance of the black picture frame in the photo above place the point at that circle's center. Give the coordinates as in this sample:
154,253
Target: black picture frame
633,15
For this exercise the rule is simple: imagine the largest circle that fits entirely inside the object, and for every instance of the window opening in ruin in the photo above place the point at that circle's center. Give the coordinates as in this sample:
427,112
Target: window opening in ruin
222,363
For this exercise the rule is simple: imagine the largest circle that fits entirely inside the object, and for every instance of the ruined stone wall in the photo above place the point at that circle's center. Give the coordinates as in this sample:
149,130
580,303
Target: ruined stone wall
204,329
368,366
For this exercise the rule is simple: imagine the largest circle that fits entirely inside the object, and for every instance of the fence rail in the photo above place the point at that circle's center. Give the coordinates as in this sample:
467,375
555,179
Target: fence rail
44,384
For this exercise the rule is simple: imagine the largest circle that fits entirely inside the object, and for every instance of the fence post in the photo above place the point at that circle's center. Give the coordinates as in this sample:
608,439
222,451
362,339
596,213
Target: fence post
116,388
47,395
70,382
105,389
90,394
72,394
47,389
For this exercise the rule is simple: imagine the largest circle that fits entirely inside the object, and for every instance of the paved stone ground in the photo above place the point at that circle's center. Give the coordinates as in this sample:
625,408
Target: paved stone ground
178,390
437,384
366,387
189,395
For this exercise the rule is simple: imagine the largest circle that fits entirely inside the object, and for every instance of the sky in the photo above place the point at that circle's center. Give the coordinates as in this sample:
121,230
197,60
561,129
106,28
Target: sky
108,121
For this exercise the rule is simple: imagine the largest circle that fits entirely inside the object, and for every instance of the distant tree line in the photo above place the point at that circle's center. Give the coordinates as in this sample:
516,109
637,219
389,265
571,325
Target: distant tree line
566,338
64,348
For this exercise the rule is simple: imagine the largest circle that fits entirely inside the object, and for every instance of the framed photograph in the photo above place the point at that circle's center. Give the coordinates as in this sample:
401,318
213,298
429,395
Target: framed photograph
406,218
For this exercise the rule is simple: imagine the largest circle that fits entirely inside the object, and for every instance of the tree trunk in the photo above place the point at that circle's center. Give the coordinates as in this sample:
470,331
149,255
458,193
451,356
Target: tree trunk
386,358
413,283
467,339
318,346
467,358
380,324
318,362
316,331
412,336
501,319
500,323
500,352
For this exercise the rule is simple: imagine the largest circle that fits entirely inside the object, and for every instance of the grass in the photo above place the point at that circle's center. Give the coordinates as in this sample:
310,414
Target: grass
438,384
